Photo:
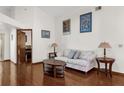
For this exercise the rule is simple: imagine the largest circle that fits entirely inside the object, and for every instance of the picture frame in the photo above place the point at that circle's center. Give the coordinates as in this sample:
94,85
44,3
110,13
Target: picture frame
66,26
45,34
86,22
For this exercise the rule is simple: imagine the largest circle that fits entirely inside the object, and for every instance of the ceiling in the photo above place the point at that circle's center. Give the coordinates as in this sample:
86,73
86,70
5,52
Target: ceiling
51,10
7,10
62,10
55,11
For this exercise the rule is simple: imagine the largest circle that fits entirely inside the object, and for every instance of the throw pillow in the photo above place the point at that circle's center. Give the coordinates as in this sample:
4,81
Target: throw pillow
71,54
77,54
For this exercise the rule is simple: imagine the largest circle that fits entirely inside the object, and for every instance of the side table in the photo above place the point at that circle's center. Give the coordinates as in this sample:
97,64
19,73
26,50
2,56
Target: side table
106,61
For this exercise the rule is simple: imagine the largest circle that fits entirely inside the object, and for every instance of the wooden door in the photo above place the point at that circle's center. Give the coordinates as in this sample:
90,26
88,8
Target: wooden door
20,47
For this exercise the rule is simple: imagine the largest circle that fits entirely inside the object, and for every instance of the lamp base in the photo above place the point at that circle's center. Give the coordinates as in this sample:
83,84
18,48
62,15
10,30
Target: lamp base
104,53
55,52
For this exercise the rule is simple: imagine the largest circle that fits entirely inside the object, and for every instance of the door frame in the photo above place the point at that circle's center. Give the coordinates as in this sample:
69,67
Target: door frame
17,42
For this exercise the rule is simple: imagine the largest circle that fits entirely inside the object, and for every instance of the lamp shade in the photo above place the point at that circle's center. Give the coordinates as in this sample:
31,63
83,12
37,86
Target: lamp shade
104,45
54,45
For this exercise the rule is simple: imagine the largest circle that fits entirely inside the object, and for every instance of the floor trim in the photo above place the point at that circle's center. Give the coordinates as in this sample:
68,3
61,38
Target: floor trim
13,62
7,60
37,63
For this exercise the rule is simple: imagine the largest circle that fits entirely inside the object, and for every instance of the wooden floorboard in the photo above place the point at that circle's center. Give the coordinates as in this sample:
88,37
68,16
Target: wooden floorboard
28,74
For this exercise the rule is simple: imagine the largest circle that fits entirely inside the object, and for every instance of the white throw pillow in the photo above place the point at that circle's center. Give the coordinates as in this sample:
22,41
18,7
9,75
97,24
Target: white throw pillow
71,54
77,54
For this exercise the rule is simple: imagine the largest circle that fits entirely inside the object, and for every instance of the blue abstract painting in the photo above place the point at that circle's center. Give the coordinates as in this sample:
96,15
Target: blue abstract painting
86,22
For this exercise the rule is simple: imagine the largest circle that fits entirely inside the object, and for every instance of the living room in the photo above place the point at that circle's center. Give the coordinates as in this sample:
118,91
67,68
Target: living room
107,26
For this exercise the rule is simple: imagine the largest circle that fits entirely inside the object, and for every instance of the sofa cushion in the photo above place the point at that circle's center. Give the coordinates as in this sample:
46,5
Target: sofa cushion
77,54
71,53
78,62
87,55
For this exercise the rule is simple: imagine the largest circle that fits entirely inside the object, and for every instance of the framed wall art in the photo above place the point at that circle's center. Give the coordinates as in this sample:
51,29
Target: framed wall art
45,34
86,22
66,27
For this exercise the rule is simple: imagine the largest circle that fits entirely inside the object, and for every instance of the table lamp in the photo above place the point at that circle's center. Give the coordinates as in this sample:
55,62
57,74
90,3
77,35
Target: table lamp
104,45
54,45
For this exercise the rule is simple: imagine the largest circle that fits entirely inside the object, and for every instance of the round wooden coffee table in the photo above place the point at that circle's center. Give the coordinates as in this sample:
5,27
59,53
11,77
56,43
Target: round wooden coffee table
54,67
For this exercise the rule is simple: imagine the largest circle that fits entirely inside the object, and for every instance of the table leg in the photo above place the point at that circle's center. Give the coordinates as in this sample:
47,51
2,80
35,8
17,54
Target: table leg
54,71
110,69
106,69
98,70
63,71
43,68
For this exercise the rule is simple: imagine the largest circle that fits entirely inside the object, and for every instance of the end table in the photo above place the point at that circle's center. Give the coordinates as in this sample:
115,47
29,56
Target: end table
106,61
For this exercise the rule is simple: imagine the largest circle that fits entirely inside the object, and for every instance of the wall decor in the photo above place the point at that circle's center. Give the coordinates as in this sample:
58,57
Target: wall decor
45,34
86,22
66,27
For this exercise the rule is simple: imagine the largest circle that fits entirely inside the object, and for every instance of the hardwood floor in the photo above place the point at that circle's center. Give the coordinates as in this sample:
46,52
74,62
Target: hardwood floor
32,75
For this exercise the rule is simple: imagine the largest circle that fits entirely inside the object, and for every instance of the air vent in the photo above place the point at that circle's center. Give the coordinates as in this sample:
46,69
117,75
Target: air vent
98,8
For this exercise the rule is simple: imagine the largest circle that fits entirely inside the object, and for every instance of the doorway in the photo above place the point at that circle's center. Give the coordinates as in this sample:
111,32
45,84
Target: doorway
1,46
24,46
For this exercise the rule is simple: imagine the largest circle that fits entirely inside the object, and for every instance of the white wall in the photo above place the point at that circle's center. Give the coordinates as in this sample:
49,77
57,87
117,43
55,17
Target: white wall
37,20
107,25
13,45
41,46
24,15
4,29
5,13
77,40
6,18
7,10
112,30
